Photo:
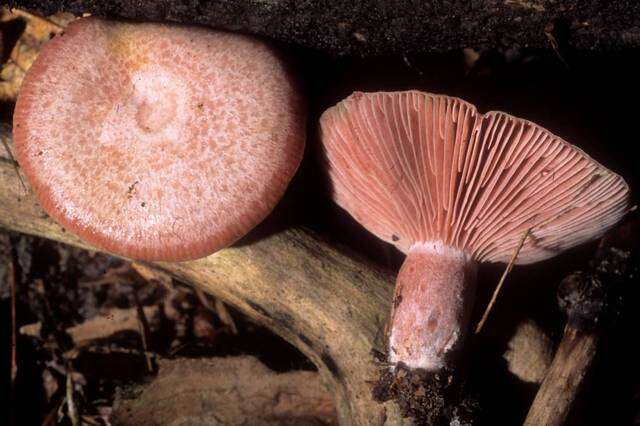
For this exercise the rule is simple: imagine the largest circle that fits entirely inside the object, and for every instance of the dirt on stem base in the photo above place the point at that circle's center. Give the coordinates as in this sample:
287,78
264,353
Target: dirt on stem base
429,398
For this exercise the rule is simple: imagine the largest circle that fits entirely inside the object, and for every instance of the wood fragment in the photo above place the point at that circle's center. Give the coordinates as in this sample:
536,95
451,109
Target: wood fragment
51,418
548,32
231,391
99,327
71,405
529,353
225,316
153,275
590,300
13,161
56,28
143,326
564,378
11,276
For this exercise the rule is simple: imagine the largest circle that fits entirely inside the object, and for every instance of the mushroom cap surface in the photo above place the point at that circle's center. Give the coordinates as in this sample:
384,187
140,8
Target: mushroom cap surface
414,167
158,142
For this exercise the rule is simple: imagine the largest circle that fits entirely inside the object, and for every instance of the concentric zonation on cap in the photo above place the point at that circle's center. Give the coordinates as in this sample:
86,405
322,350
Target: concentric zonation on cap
416,167
155,141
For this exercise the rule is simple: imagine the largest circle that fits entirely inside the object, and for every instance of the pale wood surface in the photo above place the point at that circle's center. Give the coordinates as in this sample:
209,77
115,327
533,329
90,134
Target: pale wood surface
553,402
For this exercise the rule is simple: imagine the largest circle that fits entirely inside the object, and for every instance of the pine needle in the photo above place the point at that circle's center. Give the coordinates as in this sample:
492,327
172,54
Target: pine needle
502,280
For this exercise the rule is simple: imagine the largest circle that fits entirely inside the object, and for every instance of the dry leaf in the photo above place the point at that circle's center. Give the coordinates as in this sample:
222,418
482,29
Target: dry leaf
37,33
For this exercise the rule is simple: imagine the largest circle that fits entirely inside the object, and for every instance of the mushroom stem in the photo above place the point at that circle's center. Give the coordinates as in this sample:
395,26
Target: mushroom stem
434,296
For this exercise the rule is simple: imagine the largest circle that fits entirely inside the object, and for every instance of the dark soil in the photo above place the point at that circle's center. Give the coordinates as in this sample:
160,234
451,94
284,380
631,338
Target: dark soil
430,399
368,27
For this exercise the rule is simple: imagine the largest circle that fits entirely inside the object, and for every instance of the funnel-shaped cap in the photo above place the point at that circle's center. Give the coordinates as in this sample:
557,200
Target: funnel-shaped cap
414,167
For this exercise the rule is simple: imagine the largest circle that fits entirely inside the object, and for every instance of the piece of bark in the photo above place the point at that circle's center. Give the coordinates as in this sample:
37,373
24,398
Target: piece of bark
102,326
529,353
564,379
590,300
227,391
395,26
330,305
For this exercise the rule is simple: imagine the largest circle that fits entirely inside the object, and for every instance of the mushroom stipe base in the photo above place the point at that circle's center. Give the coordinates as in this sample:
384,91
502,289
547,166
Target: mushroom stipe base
433,300
428,397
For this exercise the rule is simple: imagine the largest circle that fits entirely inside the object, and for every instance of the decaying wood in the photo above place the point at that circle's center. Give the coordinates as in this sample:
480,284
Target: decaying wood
330,305
563,381
102,326
227,391
529,353
591,301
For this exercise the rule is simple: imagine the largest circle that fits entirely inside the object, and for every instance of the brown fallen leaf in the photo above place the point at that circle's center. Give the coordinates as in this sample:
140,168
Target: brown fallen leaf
38,31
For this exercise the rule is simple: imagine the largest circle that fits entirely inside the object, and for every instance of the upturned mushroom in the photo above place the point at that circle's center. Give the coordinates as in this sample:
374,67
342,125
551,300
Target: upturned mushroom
451,188
158,142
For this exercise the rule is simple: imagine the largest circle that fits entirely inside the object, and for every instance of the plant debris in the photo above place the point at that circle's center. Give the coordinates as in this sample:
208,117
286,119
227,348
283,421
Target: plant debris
24,35
80,339
430,399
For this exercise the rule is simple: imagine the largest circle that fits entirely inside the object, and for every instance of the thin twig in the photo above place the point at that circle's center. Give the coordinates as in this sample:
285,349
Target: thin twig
11,276
527,232
51,418
16,65
14,163
14,336
111,349
219,308
71,405
180,347
91,421
203,299
502,280
548,32
144,330
225,316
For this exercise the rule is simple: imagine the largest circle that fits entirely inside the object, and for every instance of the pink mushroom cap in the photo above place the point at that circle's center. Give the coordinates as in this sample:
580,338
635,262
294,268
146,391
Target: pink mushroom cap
158,142
415,167
451,187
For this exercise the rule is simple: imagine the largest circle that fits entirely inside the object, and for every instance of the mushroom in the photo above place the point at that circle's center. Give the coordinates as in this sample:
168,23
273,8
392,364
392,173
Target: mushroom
158,142
451,188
